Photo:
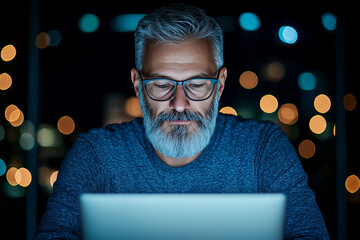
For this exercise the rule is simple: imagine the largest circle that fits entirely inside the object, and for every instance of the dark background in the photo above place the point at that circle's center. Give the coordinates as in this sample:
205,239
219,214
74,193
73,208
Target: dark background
78,76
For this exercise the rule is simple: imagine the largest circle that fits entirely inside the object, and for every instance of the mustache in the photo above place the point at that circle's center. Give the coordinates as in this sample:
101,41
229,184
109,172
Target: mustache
174,115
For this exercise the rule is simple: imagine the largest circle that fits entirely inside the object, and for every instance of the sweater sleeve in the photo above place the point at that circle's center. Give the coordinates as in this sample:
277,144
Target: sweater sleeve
280,170
79,173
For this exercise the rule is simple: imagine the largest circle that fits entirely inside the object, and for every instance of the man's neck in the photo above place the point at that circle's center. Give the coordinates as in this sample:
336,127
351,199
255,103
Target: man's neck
176,162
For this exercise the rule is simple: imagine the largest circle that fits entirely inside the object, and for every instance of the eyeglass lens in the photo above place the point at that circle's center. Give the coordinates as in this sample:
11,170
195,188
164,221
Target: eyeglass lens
196,89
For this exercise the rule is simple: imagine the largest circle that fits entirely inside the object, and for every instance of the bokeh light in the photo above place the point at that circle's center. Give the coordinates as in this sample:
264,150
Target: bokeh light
268,103
329,21
42,40
317,124
55,37
14,115
248,80
9,109
349,102
288,113
249,21
66,125
288,34
27,135
307,149
10,176
53,178
228,110
322,103
275,71
88,23
8,53
2,167
126,22
132,107
18,118
352,184
23,177
27,141
307,81
5,81
48,136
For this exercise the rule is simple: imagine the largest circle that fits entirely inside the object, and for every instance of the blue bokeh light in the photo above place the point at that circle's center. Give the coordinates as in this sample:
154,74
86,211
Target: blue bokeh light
2,167
249,21
307,81
329,21
288,34
89,23
55,37
126,22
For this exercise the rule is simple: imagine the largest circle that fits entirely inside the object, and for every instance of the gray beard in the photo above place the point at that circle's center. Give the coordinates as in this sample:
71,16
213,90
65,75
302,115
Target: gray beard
179,142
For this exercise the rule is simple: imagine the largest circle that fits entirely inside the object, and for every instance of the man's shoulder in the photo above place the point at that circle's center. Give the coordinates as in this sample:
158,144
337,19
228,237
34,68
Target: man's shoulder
118,131
238,124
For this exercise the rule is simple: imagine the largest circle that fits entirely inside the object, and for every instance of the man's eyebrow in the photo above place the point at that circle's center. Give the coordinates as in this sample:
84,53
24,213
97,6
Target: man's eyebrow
158,75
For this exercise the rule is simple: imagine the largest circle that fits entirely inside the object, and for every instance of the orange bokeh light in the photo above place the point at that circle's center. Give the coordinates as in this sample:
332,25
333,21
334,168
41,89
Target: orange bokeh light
66,125
288,114
307,148
228,110
248,80
5,81
352,184
8,53
268,103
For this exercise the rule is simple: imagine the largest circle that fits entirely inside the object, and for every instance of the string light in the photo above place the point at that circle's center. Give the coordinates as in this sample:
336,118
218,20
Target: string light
249,21
268,103
288,34
42,40
275,71
317,124
349,102
307,149
228,110
329,21
322,103
66,125
8,53
89,23
288,114
14,115
307,81
2,167
5,81
248,80
352,184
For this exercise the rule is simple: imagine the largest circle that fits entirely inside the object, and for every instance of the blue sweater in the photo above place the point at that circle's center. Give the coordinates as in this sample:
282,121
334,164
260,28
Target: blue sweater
243,156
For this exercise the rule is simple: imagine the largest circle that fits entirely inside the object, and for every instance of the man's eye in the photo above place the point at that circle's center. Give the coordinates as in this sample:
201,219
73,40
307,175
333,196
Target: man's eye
195,85
163,86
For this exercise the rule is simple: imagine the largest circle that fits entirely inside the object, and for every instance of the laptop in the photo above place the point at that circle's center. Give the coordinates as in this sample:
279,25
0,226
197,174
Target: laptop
107,216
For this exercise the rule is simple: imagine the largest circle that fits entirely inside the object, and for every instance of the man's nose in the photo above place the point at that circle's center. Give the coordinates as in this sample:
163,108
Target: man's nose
179,101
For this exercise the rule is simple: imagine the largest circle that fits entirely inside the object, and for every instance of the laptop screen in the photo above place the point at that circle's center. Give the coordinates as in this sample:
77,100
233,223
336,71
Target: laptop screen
183,216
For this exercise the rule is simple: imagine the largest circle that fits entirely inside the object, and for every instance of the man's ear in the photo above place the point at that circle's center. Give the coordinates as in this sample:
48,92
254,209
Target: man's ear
135,80
222,79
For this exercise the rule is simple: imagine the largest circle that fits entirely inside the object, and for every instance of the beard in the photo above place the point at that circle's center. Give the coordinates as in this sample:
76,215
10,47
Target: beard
179,140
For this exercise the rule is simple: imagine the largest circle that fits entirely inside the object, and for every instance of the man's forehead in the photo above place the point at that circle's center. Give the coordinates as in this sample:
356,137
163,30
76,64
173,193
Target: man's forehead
195,56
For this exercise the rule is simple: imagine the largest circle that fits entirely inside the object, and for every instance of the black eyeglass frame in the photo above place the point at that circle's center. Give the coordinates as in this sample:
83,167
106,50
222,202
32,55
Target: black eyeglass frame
213,81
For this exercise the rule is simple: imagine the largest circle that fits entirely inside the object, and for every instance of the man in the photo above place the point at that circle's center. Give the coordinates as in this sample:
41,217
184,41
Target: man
181,145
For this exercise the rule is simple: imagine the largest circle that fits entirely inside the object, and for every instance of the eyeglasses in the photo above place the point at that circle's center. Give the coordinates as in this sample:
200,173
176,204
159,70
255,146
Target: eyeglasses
196,89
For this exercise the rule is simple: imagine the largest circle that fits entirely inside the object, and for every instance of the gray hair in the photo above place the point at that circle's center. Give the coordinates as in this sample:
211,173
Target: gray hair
176,23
